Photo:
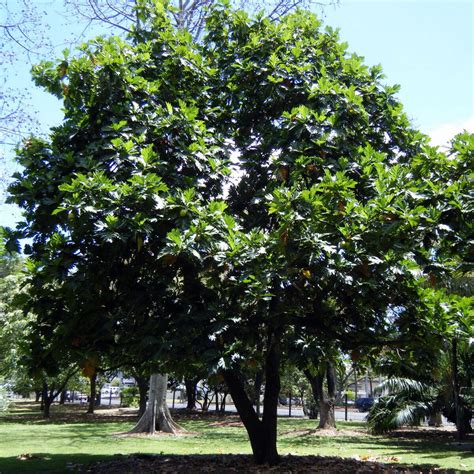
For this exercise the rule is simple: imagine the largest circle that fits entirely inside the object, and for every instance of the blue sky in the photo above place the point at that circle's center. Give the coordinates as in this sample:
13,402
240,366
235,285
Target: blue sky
425,46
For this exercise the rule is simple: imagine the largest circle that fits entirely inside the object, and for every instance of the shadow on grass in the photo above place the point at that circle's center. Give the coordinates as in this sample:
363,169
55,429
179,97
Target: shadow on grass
422,447
145,463
48,463
28,413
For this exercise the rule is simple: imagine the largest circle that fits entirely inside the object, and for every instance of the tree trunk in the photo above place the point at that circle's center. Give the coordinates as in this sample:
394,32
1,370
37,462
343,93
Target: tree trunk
164,422
311,407
257,390
326,410
49,393
216,393
206,401
147,422
366,384
191,385
461,427
327,418
224,397
142,390
258,381
46,400
47,407
356,384
262,433
270,401
37,395
157,415
62,397
435,419
44,395
467,422
93,393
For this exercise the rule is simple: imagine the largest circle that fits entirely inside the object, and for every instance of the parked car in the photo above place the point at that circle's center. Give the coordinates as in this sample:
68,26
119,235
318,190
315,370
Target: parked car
364,403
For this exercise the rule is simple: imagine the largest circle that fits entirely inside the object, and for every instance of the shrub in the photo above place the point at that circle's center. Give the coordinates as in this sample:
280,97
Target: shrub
130,397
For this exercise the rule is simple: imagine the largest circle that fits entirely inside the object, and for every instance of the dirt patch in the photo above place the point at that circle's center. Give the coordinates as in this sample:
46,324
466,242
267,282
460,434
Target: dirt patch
226,423
230,464
330,433
30,413
157,435
444,433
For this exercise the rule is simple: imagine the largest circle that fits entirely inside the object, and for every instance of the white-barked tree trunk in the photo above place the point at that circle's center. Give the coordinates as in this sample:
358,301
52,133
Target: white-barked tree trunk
157,416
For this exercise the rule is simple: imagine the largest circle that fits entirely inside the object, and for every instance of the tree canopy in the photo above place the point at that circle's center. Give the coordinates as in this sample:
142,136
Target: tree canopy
256,192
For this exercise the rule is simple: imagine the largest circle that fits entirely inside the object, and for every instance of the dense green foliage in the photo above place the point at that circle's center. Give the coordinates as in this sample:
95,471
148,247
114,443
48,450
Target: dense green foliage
14,328
258,192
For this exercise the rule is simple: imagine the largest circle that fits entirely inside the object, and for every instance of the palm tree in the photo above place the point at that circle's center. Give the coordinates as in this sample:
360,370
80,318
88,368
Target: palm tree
403,402
406,401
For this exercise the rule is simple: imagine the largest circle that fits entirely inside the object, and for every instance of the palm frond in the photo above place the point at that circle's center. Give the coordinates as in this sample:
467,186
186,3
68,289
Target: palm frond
408,388
406,403
411,414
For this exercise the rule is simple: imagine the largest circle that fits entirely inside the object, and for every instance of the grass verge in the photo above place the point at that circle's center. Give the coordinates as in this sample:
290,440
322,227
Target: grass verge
71,439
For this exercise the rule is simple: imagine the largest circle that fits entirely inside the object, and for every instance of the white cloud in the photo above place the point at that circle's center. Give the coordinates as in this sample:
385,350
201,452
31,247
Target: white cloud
442,134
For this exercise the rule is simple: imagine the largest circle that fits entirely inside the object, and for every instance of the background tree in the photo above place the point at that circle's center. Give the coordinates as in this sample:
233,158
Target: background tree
156,415
14,323
189,15
429,379
22,38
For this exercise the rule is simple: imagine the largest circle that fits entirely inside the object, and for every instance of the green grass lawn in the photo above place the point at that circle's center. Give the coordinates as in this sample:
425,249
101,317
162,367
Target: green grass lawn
72,438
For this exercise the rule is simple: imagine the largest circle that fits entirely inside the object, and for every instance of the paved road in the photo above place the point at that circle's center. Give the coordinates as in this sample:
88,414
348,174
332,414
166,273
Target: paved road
340,414
297,412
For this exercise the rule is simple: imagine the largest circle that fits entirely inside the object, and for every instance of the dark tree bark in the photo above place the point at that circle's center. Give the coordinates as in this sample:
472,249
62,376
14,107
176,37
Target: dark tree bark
44,395
316,384
356,384
45,401
257,390
51,391
463,425
223,401
191,393
93,394
62,397
327,417
270,401
262,433
47,407
207,399
37,395
435,419
142,383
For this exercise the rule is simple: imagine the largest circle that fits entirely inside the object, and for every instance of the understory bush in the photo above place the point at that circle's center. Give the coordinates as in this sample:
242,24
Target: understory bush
130,397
